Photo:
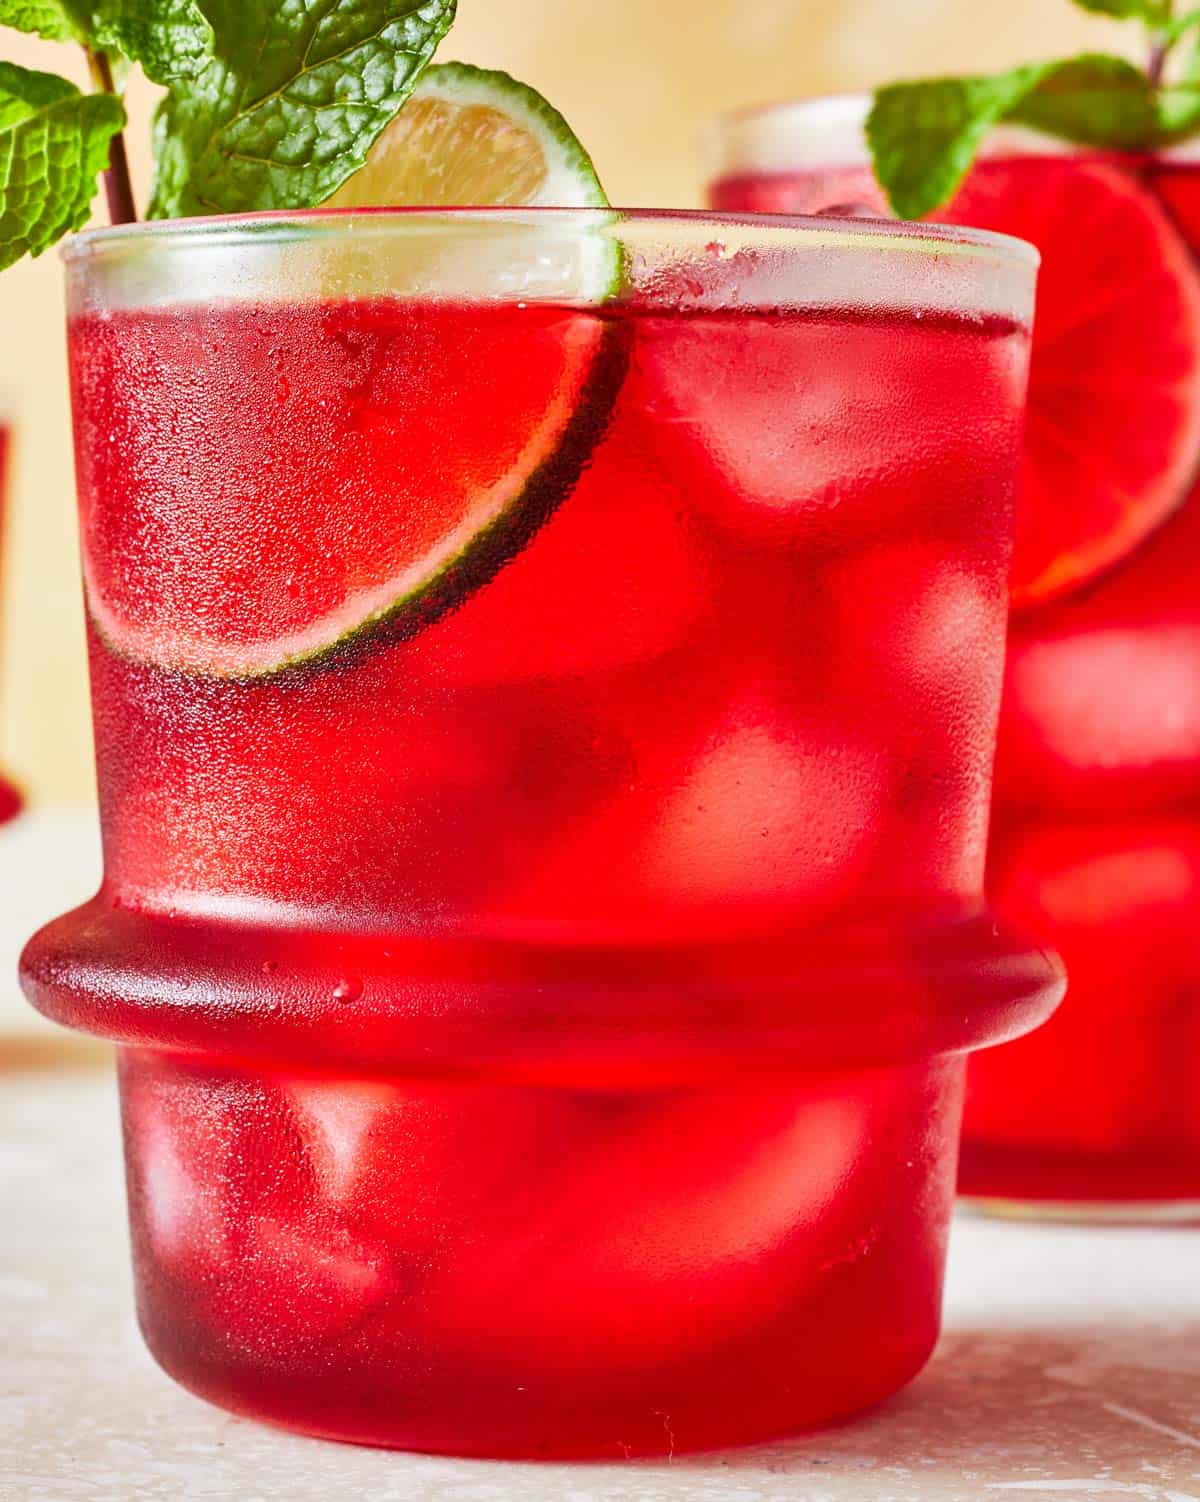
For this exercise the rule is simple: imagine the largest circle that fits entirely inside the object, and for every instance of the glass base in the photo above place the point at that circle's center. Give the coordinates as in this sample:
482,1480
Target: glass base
479,1267
1087,1212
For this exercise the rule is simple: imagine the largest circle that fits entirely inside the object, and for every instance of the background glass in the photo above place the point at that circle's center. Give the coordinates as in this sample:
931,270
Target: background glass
1095,844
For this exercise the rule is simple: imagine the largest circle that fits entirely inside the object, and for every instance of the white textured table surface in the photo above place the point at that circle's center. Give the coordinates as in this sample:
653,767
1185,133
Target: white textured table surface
1070,1367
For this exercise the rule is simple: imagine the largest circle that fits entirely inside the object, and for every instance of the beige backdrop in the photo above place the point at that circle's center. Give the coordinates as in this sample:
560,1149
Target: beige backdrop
639,79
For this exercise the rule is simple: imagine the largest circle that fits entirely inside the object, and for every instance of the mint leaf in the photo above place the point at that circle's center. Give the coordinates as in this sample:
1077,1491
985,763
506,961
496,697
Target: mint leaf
1181,104
1095,100
1171,30
1125,10
170,38
290,102
924,136
53,145
45,18
1178,114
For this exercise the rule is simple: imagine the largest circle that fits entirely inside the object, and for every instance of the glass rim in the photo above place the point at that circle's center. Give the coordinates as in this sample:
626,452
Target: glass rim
776,231
840,118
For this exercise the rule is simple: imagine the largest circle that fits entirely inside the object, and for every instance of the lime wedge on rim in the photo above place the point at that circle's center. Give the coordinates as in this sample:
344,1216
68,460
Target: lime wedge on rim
424,438
474,138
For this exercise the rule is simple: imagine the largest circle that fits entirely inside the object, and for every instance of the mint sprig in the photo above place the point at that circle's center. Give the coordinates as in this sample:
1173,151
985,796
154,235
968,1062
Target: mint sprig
269,104
290,102
53,143
925,135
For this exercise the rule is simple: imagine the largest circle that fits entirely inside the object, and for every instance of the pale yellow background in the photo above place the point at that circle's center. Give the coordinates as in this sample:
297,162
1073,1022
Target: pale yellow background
639,79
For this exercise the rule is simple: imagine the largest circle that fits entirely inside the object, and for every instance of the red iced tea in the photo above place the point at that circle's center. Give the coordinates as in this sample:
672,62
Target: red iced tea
544,788
1096,845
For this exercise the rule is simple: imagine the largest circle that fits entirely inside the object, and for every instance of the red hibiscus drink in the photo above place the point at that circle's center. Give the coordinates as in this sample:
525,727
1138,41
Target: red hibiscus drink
544,779
1096,845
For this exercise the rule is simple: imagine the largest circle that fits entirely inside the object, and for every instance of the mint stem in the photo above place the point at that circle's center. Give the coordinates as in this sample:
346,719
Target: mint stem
118,186
1156,62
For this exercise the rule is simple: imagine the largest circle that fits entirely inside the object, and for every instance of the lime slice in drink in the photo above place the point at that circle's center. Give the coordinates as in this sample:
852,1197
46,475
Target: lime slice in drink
474,137
400,449
397,455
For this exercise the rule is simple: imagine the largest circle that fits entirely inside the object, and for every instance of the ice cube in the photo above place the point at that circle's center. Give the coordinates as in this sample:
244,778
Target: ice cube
771,812
758,814
422,1165
691,1219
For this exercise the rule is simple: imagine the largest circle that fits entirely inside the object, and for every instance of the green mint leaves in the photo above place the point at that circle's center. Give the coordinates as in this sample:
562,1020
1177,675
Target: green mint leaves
54,141
45,18
270,104
924,136
290,102
1094,100
170,38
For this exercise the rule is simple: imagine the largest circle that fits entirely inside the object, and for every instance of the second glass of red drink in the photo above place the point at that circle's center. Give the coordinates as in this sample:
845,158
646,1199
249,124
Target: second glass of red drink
1096,845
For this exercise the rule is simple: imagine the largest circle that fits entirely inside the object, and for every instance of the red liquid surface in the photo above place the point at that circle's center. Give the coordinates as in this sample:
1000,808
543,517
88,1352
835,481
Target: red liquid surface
459,976
1096,841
